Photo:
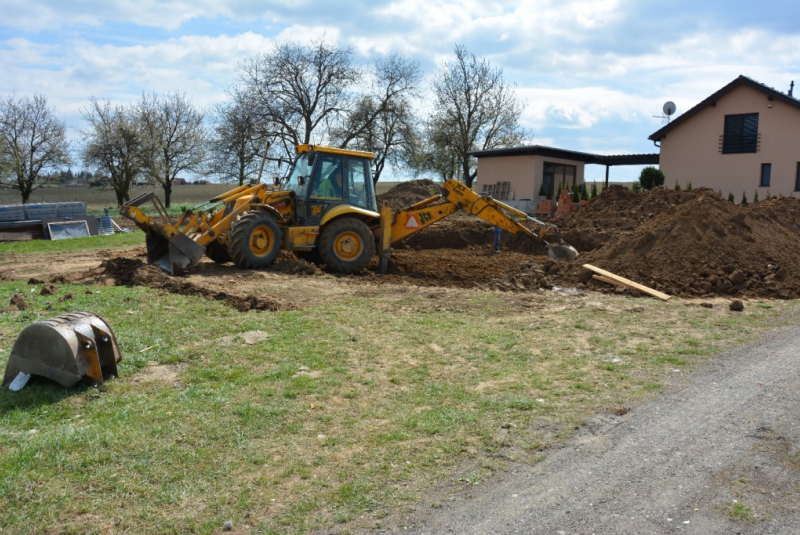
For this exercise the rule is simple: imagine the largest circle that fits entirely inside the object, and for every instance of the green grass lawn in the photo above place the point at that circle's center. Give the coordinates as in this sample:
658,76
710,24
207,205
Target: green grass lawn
319,417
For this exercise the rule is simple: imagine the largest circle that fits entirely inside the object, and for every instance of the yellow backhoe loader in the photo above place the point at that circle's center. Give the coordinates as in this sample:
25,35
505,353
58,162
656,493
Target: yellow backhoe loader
324,210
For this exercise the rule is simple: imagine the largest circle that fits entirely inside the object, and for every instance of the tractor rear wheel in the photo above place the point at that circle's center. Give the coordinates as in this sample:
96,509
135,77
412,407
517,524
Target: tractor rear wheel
346,245
217,252
255,240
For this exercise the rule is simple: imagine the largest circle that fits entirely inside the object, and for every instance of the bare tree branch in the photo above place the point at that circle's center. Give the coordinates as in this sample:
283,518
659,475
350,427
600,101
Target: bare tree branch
114,143
475,110
175,138
33,141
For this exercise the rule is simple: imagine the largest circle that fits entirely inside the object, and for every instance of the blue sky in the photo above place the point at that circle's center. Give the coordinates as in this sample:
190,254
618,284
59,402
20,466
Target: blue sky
593,72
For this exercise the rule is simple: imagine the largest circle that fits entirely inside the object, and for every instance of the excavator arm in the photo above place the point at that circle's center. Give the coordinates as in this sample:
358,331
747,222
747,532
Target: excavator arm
398,225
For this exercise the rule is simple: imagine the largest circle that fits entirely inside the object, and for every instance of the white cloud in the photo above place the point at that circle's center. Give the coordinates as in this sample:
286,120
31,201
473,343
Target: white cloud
592,75
582,107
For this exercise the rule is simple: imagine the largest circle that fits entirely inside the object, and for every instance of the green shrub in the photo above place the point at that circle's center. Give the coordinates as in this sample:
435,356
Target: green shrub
677,186
688,186
731,198
584,193
755,197
651,177
594,190
637,187
576,197
744,199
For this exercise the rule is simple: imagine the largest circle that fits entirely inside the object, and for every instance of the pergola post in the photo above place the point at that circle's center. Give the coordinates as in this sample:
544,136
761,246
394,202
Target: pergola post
607,166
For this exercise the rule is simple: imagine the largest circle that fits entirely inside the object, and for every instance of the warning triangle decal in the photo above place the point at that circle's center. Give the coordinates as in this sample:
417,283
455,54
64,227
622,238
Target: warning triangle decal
412,222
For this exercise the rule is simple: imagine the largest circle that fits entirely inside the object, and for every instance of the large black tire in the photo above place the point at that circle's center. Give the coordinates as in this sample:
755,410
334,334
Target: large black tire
346,245
255,240
218,252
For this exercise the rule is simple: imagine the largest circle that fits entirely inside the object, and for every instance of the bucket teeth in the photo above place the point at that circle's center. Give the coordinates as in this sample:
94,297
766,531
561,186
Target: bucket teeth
67,349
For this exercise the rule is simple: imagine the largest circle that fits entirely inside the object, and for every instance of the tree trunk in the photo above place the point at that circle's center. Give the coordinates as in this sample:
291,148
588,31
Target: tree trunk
167,193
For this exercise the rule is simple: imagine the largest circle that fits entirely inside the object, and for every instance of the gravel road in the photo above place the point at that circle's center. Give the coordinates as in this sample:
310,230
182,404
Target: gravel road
716,453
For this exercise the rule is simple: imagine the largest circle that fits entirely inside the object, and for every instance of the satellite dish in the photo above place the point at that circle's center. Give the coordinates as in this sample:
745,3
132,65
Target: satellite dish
669,108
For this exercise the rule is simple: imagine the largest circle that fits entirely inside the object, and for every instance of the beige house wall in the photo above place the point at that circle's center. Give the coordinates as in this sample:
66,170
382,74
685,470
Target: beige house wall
524,173
691,151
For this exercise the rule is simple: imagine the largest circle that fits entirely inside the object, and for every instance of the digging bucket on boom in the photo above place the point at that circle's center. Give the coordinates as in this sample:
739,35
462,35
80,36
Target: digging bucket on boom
67,349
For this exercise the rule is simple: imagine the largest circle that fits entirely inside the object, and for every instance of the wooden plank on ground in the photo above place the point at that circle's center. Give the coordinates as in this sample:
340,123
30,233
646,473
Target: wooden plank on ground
609,281
627,282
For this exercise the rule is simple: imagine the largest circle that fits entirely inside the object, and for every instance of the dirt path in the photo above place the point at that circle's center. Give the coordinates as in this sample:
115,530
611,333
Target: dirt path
718,453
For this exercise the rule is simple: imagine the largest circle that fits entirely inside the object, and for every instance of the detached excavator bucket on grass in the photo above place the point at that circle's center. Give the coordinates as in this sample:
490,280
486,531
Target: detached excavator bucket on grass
67,349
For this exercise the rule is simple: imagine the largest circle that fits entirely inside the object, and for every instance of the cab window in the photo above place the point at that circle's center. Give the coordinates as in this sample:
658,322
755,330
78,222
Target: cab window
299,178
328,178
359,184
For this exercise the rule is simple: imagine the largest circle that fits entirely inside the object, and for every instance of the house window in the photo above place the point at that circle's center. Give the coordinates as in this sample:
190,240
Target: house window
766,171
741,134
562,175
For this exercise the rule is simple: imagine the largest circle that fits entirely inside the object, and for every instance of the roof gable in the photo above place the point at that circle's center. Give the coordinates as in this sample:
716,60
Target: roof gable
741,80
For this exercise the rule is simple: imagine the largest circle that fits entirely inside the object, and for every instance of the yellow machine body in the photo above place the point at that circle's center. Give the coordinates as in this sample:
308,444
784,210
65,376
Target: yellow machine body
251,224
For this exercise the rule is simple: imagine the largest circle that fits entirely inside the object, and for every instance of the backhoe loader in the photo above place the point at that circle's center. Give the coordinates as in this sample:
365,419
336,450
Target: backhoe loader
324,210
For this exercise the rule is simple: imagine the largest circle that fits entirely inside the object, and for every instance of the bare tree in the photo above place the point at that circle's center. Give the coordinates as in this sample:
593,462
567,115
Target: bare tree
382,121
175,138
301,90
436,152
475,110
114,144
33,142
238,141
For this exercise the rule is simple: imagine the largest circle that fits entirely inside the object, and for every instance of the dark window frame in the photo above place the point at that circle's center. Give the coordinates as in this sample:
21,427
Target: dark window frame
560,178
797,178
740,134
766,175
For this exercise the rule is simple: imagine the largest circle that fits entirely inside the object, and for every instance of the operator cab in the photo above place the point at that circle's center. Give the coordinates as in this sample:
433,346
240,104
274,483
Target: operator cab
324,178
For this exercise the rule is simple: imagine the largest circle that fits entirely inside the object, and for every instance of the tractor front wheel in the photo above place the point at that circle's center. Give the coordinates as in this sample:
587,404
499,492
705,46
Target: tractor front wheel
255,240
346,245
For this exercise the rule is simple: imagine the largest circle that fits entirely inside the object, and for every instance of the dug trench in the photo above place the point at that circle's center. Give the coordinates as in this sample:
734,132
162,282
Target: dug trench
683,243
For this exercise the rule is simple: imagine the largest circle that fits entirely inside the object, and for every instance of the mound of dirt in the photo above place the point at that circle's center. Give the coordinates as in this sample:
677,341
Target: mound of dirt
134,272
616,211
407,193
689,243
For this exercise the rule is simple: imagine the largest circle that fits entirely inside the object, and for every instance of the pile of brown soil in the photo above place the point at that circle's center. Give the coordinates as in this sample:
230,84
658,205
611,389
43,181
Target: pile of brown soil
689,243
408,193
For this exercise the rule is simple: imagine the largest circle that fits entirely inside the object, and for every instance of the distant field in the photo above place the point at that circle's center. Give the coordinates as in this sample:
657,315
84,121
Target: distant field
96,198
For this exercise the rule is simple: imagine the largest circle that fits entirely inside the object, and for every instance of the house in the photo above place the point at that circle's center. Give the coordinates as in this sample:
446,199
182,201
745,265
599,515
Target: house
743,139
516,175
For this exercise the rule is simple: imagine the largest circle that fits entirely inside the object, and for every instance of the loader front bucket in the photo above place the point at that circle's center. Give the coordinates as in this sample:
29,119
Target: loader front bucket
174,254
67,349
167,247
